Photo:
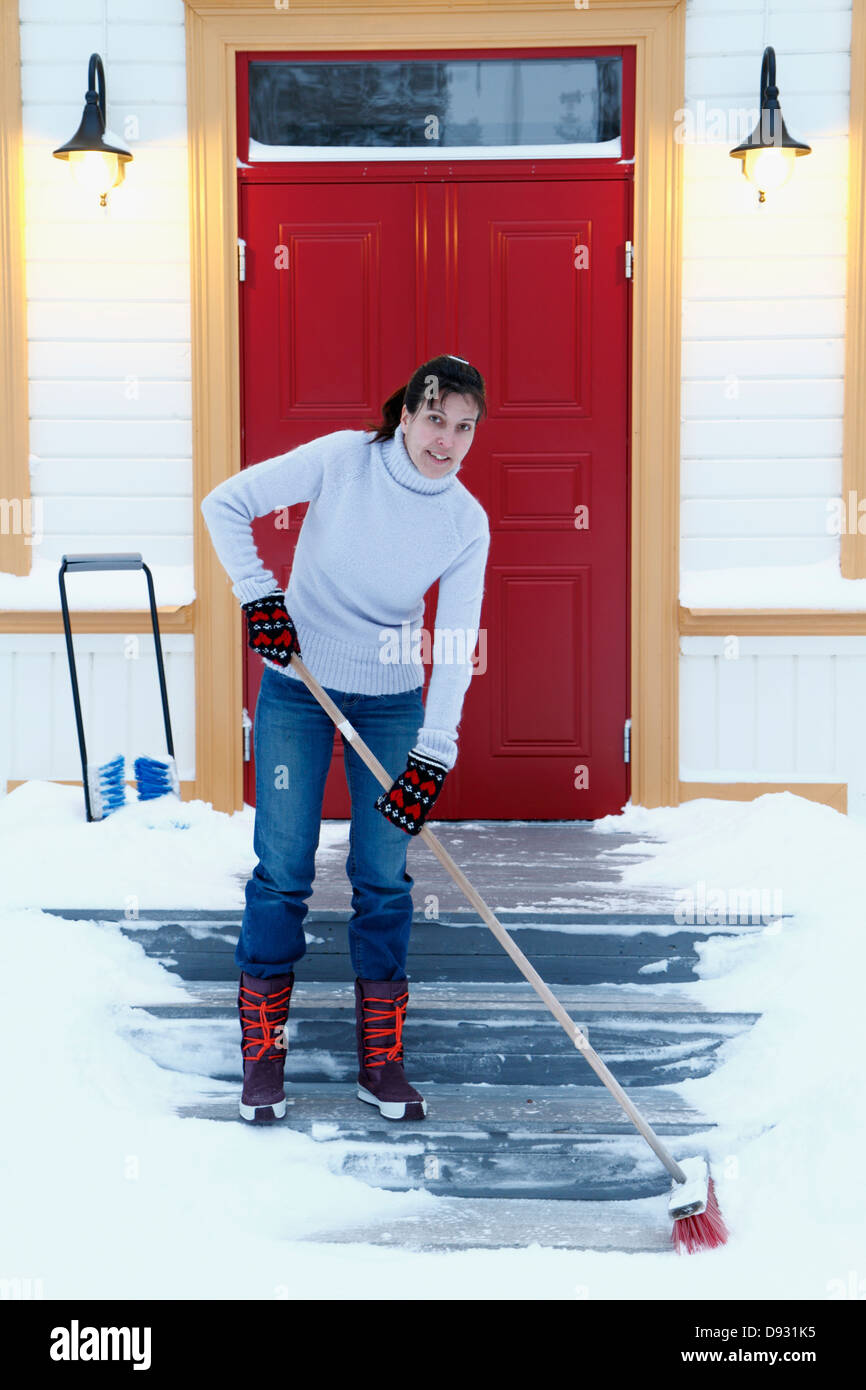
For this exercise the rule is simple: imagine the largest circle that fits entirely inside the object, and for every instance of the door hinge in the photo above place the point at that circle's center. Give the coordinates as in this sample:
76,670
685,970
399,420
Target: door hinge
247,728
242,259
629,259
626,742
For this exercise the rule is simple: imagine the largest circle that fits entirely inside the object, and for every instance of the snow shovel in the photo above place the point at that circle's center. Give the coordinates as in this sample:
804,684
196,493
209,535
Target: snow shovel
105,784
697,1220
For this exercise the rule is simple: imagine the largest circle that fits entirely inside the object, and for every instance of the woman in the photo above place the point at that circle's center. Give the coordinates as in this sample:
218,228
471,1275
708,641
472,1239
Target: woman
388,516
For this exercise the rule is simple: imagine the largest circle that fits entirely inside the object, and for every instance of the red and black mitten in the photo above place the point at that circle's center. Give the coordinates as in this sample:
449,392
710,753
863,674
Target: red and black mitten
409,800
271,631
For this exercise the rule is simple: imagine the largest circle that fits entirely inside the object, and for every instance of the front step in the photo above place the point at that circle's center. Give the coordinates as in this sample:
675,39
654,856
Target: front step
530,1119
501,1036
522,1143
485,1223
559,1142
565,948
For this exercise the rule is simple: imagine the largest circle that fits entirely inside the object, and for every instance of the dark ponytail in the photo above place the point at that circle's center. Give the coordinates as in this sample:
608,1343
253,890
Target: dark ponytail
433,380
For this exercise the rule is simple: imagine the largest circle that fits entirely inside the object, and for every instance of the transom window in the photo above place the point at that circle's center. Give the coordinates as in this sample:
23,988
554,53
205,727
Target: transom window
429,108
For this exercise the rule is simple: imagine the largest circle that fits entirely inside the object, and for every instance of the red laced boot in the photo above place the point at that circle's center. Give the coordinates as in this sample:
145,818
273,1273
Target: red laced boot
380,1009
263,1006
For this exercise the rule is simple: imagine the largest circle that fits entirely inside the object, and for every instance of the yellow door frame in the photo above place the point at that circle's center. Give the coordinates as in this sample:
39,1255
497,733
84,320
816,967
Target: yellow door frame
216,30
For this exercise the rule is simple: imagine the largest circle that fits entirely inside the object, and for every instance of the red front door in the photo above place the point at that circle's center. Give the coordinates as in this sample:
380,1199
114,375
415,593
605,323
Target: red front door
350,284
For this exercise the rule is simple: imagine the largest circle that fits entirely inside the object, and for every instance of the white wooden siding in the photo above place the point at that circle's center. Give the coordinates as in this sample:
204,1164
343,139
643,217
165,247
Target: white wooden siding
774,709
121,706
108,292
763,341
763,291
762,394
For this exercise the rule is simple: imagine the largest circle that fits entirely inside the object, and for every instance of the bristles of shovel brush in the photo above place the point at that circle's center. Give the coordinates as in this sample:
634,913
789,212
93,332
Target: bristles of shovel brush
106,785
155,777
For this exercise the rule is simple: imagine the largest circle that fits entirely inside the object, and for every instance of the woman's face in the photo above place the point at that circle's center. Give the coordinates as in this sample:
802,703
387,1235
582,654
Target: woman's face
439,435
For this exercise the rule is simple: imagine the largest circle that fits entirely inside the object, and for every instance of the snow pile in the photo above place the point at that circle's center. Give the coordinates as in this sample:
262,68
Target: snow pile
115,1195
147,854
94,590
789,1097
818,585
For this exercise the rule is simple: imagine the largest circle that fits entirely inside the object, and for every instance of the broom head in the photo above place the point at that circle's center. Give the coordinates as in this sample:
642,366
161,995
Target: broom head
698,1222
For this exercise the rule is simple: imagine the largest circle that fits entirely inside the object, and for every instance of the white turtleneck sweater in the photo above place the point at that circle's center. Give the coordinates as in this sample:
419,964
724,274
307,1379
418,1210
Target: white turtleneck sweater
376,536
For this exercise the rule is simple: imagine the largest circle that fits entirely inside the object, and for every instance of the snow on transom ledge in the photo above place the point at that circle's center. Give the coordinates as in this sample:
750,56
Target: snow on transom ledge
773,586
266,154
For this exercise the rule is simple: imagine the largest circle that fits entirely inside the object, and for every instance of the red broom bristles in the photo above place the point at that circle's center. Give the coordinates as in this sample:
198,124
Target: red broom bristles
704,1232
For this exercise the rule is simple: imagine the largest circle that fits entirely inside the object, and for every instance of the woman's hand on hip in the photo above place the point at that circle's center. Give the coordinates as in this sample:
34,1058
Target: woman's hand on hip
271,631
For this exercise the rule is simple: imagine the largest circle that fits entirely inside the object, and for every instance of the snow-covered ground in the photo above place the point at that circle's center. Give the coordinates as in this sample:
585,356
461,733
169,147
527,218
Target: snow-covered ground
108,1194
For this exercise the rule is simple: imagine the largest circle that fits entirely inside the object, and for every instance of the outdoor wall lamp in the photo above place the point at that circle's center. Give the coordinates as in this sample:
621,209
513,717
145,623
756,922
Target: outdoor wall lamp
769,153
96,156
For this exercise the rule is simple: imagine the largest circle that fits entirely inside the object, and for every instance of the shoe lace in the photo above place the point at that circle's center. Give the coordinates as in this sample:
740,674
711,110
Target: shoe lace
382,1017
267,1012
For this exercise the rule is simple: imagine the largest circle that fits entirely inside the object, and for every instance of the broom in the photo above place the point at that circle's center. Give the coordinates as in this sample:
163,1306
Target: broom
697,1221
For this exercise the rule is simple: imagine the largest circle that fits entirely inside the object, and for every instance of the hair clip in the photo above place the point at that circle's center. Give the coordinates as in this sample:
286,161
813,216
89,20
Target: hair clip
455,358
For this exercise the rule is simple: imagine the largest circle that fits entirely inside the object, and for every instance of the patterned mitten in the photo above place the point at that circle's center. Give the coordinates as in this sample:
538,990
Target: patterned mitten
409,800
271,631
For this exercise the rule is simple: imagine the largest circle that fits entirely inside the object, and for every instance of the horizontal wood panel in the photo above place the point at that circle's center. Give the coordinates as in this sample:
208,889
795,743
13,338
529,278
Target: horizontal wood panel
126,435
804,77
819,30
128,319
822,276
718,238
127,478
98,517
834,794
765,621
799,437
735,396
81,242
746,318
171,619
95,281
42,81
760,477
129,43
756,516
74,360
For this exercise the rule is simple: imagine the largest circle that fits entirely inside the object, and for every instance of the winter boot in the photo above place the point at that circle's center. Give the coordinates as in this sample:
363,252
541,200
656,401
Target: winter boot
380,1008
263,1006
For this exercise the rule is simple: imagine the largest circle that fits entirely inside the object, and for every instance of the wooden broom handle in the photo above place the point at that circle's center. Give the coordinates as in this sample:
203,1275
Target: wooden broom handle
579,1039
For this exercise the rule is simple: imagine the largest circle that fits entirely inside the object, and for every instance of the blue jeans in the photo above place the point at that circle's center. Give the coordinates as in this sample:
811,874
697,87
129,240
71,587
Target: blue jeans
294,740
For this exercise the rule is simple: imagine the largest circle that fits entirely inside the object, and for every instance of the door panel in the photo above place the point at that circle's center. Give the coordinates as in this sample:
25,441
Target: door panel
325,341
542,303
524,278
